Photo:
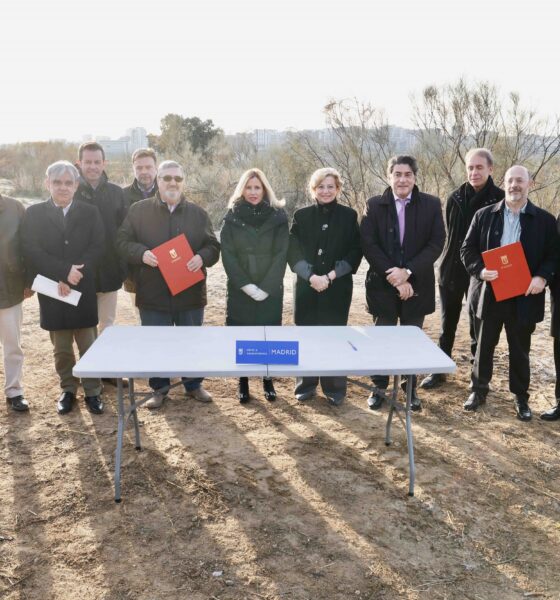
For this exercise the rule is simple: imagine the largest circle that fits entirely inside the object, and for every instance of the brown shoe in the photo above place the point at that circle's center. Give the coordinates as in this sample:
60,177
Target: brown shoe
200,394
156,401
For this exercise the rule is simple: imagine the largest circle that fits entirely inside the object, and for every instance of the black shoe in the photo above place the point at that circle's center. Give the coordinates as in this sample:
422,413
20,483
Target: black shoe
269,391
474,401
18,403
376,398
94,404
552,414
65,403
415,403
432,381
243,390
522,409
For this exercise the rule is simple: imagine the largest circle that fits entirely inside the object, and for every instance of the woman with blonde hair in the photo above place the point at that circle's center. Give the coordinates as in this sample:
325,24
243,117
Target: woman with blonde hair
254,242
324,252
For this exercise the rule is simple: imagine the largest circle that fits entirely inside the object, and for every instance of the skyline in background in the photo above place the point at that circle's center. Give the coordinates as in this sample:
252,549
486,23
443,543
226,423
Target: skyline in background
248,65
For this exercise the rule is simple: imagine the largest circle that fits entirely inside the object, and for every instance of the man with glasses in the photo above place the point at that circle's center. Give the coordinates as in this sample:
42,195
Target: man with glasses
150,223
402,235
63,240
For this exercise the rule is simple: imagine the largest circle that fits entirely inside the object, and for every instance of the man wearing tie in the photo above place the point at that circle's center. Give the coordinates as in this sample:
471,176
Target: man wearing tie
402,236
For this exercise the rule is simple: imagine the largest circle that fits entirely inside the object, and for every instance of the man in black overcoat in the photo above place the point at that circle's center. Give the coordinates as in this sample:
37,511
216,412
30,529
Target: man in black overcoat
514,219
96,189
476,193
63,240
402,235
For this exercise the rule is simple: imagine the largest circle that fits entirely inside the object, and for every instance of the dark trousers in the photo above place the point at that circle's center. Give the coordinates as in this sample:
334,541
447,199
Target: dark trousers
333,387
557,365
181,318
451,304
503,314
382,381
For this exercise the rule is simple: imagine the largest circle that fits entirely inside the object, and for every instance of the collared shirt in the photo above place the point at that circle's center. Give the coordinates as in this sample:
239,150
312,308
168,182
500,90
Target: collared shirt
65,209
149,192
512,226
400,205
170,207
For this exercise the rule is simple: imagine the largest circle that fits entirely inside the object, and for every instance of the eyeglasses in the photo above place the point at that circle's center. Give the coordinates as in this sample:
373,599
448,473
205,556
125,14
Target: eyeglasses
168,178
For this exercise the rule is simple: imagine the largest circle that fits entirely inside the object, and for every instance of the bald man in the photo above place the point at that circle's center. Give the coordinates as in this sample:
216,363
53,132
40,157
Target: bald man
513,219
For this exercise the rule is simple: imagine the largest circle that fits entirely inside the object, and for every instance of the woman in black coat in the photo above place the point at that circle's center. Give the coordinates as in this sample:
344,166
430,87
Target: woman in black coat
324,253
254,241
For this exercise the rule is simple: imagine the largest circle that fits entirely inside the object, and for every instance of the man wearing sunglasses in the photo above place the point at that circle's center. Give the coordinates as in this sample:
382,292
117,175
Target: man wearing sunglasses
150,223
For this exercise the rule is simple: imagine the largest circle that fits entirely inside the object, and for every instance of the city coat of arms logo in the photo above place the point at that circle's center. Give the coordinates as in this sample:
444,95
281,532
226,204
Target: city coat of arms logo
173,253
505,260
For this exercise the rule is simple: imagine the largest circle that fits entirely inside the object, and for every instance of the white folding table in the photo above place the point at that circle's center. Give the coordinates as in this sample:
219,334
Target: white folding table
132,352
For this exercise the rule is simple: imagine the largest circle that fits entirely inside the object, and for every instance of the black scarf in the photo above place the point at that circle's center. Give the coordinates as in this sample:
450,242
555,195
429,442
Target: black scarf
253,215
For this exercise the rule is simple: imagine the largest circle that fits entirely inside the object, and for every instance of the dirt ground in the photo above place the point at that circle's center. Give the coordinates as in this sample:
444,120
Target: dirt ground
280,500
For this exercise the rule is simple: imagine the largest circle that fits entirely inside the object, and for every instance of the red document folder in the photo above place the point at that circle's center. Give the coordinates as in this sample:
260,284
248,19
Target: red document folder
173,257
514,276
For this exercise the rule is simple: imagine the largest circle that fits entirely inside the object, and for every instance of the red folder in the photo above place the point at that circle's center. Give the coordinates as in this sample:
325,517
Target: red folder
173,257
514,276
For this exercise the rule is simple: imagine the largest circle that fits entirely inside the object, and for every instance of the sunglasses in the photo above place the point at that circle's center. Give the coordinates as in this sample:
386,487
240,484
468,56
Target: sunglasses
168,178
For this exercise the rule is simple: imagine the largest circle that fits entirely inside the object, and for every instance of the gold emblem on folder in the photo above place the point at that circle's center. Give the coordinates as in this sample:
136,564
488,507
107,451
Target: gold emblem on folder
173,253
505,260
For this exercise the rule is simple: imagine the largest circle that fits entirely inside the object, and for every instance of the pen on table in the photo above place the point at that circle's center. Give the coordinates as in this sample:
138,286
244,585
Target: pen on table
352,345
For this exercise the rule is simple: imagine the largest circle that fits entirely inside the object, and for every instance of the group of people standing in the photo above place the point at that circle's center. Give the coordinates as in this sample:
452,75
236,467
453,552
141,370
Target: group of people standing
91,235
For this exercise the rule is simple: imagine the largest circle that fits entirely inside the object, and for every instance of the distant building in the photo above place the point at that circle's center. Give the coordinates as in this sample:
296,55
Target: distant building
135,138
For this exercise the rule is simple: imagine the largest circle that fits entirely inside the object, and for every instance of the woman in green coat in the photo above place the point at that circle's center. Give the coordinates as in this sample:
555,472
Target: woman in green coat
254,243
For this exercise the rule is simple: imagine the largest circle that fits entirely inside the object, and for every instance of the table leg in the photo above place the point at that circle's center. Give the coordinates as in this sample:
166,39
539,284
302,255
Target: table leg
396,385
120,431
134,412
409,440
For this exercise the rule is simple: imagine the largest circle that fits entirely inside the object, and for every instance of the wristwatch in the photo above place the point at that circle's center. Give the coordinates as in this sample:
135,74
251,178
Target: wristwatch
409,272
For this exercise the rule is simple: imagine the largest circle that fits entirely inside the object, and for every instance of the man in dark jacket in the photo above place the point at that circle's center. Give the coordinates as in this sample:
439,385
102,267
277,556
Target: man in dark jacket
95,189
402,236
149,224
479,191
12,293
513,219
553,414
63,241
144,165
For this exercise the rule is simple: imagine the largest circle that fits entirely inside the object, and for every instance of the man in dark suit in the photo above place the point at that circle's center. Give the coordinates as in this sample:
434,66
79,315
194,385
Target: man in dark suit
476,193
514,219
144,165
63,240
402,236
96,189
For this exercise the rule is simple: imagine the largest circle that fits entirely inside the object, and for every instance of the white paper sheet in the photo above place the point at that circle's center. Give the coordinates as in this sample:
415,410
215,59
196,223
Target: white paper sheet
48,287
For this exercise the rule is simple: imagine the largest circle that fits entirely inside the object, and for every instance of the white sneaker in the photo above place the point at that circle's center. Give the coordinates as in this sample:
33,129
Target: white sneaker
156,401
200,394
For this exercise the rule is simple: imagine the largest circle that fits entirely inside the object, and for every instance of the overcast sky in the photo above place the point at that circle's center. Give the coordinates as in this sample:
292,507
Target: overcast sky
69,68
